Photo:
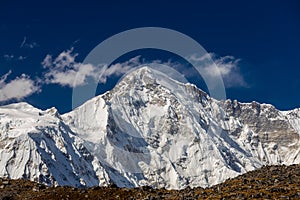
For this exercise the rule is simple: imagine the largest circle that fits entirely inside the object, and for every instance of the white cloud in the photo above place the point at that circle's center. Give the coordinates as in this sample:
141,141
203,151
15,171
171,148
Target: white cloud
226,66
8,56
22,57
47,62
18,88
65,71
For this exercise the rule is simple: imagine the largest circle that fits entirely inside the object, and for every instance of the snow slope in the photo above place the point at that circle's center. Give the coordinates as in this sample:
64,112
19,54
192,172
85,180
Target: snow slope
37,145
148,130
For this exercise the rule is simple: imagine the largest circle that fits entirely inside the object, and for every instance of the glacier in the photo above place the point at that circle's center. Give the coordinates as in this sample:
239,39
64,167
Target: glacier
149,130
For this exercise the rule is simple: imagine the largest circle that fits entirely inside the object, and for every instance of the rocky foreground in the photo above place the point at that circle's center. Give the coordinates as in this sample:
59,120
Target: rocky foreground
270,182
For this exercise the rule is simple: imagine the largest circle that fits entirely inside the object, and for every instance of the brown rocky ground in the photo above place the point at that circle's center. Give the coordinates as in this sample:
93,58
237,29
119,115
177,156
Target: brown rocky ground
275,182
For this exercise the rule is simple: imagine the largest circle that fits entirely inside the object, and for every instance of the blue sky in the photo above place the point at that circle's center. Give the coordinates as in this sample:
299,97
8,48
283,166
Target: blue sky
256,43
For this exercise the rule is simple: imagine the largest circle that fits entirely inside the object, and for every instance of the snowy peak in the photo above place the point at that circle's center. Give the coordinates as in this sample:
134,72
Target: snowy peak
150,82
145,75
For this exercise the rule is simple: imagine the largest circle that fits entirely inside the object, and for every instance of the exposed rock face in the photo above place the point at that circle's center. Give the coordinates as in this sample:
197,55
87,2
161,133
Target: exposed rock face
149,130
271,129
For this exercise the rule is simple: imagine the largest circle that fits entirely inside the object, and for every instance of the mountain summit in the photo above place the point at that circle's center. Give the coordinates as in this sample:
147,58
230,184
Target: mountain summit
148,130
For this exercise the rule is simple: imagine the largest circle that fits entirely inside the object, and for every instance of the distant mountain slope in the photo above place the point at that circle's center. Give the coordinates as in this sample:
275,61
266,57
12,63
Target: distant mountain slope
38,146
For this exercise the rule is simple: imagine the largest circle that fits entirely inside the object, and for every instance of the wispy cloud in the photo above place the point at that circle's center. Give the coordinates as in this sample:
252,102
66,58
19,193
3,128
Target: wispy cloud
18,88
118,69
65,71
4,78
23,42
226,66
11,57
26,44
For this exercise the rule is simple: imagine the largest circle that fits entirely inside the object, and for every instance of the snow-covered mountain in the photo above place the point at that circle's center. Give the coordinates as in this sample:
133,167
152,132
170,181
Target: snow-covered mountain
148,130
39,146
